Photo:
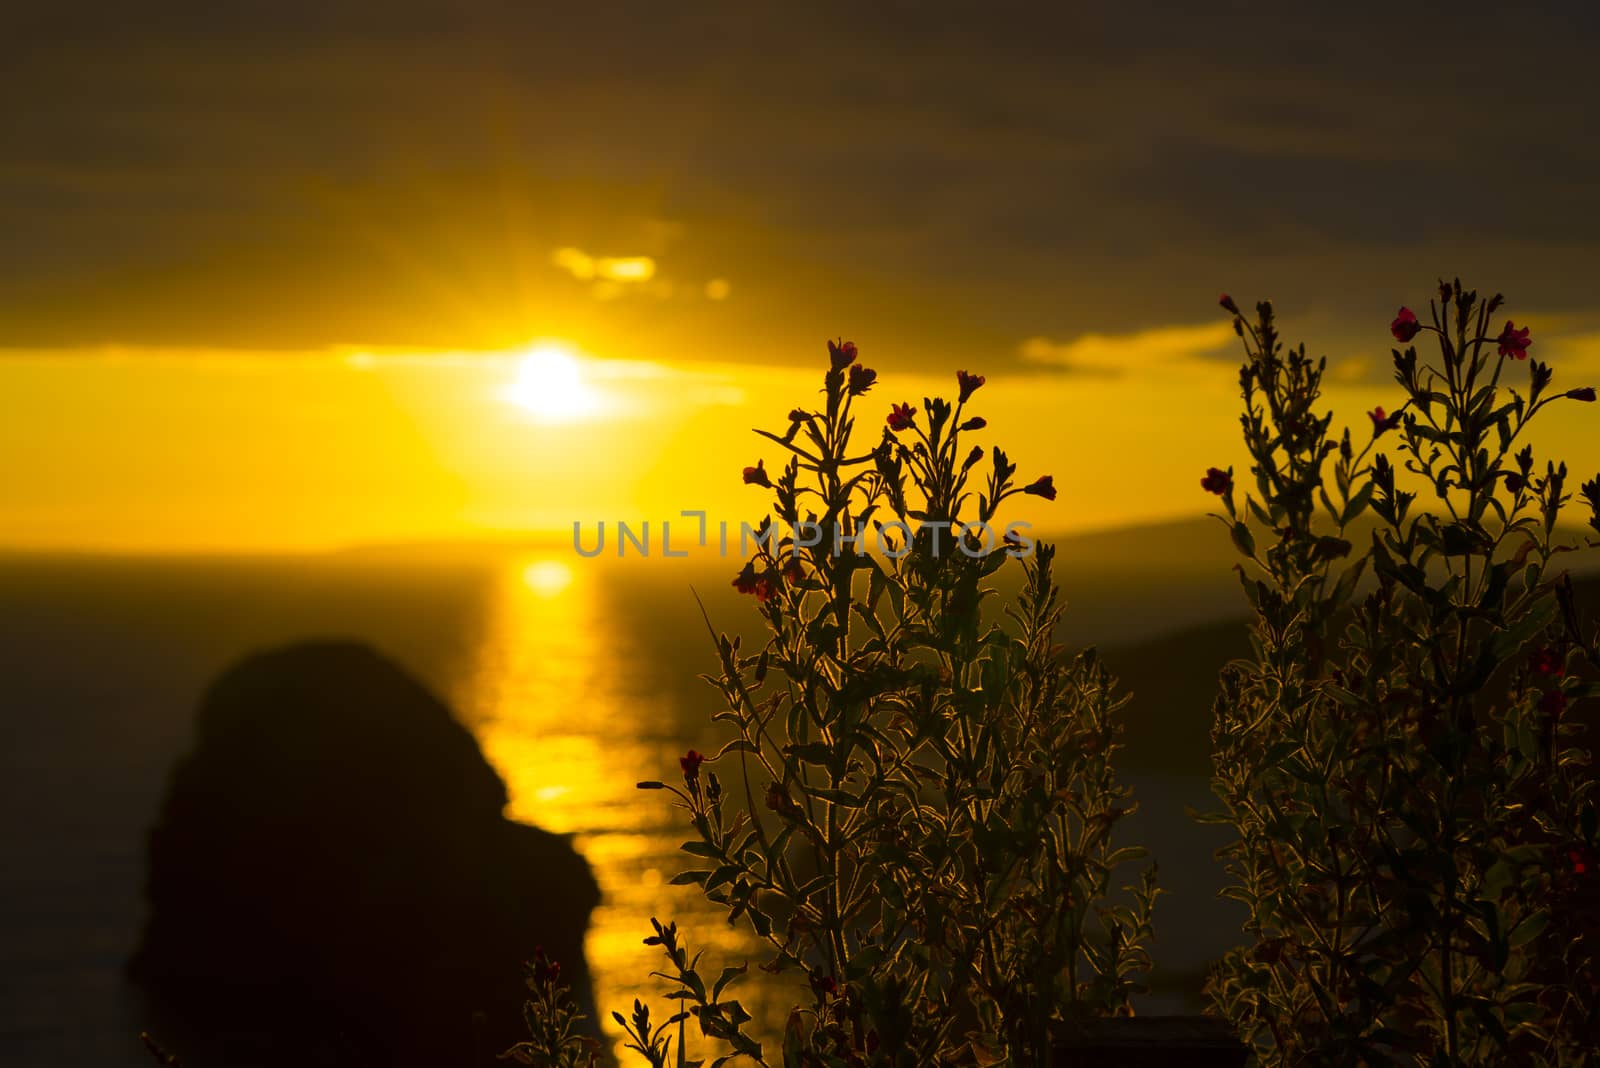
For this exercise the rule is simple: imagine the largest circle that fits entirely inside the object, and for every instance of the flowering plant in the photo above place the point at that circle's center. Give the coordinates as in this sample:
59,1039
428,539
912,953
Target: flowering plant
1416,824
916,810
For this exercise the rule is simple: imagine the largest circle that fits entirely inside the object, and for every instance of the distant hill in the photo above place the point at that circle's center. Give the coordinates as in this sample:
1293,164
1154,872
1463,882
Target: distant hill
1173,681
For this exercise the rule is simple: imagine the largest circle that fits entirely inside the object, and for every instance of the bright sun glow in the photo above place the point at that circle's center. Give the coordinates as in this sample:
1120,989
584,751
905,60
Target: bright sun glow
550,384
547,578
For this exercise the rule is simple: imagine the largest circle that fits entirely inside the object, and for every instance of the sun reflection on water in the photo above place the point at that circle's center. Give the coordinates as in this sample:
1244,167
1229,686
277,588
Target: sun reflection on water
561,718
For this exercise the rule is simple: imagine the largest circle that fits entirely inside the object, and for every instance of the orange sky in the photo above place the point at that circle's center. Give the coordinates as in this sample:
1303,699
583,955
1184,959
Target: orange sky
208,212
228,451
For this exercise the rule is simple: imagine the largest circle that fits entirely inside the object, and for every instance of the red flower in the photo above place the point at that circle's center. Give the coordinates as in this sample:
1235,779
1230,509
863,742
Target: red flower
977,422
1382,421
747,581
1227,304
690,763
842,353
1216,481
901,416
861,379
1405,326
1043,486
1546,661
1582,393
1514,342
792,571
545,969
969,384
757,475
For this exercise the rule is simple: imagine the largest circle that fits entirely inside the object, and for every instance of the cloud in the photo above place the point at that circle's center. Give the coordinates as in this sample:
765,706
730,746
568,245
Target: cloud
394,179
1578,353
1352,370
1111,355
586,268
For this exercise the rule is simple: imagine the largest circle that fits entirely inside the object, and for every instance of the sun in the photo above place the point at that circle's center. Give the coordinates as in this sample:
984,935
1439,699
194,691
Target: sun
550,385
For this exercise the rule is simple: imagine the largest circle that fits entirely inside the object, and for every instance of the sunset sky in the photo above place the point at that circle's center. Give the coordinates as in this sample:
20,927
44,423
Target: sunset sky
279,278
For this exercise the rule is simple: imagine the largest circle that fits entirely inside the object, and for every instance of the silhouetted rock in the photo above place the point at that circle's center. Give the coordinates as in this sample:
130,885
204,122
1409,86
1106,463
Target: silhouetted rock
333,880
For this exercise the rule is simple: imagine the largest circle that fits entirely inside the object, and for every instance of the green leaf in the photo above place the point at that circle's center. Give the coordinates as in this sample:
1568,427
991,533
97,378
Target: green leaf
728,976
811,753
1357,504
1529,928
1508,641
1243,540
876,586
724,874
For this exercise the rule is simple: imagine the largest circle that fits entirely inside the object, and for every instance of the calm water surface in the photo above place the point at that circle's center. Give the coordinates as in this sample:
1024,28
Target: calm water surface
578,678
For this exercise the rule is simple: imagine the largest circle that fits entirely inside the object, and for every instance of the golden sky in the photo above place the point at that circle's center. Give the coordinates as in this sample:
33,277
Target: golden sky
269,276
229,451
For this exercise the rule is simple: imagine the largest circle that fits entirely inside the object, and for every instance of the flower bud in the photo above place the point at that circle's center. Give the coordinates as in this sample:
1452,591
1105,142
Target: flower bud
1405,326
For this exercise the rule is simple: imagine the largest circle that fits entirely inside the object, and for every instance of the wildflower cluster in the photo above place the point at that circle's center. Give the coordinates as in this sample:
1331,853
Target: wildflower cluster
1416,823
919,807
557,1039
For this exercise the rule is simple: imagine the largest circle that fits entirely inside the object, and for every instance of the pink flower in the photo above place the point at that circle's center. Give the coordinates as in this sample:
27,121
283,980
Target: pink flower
1227,304
690,763
861,379
1546,661
1582,393
969,384
1043,486
1216,481
1382,421
842,353
544,969
901,416
757,475
1514,342
1405,326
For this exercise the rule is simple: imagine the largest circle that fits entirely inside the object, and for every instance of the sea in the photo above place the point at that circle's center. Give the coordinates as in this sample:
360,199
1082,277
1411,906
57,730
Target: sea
579,678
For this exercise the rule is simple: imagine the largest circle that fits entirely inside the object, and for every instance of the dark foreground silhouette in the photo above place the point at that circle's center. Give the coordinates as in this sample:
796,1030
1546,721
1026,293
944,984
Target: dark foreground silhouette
332,881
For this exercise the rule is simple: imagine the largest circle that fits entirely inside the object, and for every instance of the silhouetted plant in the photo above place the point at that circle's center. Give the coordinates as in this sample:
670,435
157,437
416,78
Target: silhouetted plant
920,818
557,1039
1416,825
